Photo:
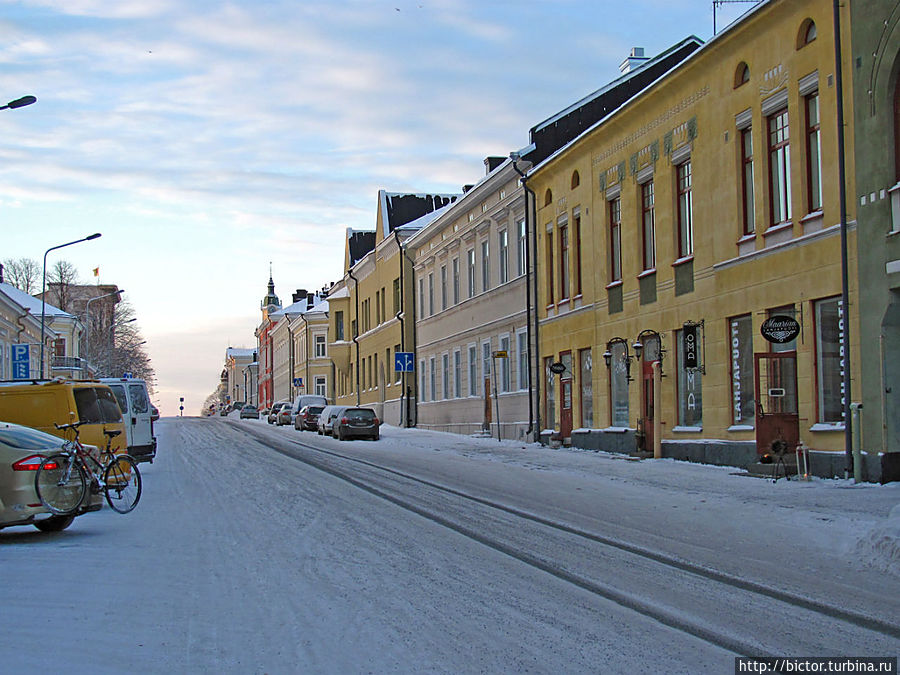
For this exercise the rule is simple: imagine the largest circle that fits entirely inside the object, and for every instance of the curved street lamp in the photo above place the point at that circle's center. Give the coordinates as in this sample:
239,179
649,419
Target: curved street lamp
87,318
44,277
19,103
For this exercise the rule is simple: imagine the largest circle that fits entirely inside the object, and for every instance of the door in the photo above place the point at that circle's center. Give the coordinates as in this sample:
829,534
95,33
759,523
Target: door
139,418
565,407
777,418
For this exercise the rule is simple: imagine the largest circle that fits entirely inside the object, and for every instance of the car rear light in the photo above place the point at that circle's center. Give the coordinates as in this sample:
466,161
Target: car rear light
344,420
376,422
31,463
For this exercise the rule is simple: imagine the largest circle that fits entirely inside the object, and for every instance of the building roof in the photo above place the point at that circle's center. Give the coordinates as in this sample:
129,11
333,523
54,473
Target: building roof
31,303
399,209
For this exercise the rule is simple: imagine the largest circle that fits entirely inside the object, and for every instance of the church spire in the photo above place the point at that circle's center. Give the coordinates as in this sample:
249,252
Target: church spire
270,303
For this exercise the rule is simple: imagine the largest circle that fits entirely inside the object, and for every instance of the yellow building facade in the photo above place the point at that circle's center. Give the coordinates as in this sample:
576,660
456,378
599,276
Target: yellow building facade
699,216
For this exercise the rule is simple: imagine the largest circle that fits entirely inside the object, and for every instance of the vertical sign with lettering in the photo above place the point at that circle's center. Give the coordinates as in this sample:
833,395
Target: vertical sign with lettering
691,353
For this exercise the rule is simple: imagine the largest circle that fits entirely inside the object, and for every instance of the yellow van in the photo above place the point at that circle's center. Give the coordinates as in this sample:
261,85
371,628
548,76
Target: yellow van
43,404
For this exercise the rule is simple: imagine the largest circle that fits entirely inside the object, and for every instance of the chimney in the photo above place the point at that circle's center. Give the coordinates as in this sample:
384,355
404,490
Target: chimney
635,58
1,274
491,163
299,295
466,188
310,300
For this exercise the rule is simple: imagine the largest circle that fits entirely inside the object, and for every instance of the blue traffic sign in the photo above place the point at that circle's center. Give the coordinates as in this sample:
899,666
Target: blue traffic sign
404,362
21,361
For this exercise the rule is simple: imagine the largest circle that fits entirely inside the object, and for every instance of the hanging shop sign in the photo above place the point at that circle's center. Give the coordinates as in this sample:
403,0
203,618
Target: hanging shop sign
780,329
691,354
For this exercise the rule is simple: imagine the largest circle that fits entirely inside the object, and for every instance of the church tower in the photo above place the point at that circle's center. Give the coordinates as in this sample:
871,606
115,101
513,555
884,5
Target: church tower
270,303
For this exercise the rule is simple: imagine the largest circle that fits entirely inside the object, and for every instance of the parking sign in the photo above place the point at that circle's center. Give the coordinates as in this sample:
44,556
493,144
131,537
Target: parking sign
21,362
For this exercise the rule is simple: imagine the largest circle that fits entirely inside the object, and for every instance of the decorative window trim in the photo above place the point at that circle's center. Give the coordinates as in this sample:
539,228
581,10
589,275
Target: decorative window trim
614,192
681,155
775,103
644,175
809,83
744,119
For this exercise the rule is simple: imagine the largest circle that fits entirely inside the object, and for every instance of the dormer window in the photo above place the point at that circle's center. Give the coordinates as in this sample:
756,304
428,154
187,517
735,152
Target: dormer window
741,75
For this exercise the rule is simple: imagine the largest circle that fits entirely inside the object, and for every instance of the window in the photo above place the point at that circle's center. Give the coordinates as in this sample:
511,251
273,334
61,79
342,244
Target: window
504,256
743,405
430,293
320,346
485,266
807,33
473,370
457,374
338,325
549,268
779,168
615,240
422,298
443,287
690,400
747,181
320,386
563,261
471,269
456,281
486,366
549,394
648,220
829,360
398,374
378,307
741,75
618,386
587,388
576,253
521,244
445,375
813,153
504,365
576,180
522,354
685,211
432,390
548,197
396,296
422,391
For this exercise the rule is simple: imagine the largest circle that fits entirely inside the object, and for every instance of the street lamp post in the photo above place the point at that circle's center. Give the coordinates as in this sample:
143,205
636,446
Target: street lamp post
19,103
44,275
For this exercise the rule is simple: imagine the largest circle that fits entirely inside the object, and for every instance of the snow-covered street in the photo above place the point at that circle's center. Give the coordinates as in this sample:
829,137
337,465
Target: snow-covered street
258,549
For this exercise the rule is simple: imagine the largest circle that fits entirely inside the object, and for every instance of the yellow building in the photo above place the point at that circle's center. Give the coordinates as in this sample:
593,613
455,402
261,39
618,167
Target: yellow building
372,308
674,233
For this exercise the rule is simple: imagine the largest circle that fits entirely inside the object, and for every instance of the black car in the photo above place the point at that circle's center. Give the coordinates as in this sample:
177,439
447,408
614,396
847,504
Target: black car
307,418
356,423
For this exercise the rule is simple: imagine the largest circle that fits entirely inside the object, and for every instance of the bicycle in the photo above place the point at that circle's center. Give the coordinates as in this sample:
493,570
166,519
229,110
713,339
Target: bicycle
61,481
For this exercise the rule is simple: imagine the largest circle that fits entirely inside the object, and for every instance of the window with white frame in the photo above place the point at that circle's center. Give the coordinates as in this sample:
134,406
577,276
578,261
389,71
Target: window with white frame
445,375
456,281
503,256
423,392
321,385
779,167
470,268
685,210
457,374
320,346
813,152
522,359
485,266
503,365
485,364
521,244
421,298
473,370
430,293
432,375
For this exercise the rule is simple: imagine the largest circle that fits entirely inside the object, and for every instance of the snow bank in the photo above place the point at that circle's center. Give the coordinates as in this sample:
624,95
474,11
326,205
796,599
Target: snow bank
880,545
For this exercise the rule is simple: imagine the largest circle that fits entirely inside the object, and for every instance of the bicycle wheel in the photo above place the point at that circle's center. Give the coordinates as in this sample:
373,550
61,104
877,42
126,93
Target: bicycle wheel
123,484
61,489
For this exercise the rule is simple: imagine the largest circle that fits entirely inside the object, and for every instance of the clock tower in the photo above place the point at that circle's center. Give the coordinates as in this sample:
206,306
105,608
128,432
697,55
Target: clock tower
270,303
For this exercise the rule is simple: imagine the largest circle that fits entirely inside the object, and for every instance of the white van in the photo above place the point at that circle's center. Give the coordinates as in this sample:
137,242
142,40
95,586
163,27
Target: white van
304,400
134,401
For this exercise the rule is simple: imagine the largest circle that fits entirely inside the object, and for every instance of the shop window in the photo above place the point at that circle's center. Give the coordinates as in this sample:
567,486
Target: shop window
690,391
829,360
743,404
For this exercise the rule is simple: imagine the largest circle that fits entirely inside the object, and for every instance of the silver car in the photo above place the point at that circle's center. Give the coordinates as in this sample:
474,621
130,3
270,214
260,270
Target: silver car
21,452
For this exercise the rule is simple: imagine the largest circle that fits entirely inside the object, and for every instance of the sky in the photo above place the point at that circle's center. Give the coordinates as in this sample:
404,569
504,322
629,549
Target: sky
208,140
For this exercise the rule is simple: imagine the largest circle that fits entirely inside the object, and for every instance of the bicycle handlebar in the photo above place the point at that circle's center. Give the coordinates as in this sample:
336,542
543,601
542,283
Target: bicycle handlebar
71,425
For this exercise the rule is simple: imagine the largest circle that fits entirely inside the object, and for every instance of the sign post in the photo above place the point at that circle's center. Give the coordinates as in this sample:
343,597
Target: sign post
21,361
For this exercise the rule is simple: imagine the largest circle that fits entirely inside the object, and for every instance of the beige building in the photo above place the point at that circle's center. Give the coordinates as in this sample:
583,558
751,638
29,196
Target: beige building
372,308
471,328
311,367
237,387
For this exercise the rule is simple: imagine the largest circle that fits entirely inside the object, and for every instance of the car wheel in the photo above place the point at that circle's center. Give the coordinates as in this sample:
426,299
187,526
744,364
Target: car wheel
375,437
54,523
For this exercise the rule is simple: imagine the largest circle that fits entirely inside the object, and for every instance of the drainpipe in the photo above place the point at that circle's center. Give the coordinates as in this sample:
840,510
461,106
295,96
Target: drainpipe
404,408
306,342
356,332
534,416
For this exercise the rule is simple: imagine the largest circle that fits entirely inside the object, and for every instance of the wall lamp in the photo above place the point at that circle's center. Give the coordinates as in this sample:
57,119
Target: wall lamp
626,357
642,337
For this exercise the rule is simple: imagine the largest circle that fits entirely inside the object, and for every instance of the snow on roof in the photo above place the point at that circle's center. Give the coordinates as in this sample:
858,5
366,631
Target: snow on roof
31,303
237,352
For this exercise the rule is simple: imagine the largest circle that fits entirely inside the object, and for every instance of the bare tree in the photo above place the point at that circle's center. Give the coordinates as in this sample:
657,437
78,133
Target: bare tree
23,273
119,348
60,278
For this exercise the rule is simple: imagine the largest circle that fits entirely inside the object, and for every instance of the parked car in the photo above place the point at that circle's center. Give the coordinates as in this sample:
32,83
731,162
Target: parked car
326,418
304,400
249,412
284,416
21,451
134,402
308,417
356,423
274,410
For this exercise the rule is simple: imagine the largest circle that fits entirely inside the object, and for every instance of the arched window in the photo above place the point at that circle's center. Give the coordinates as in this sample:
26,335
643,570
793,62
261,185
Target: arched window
807,33
576,180
741,75
548,197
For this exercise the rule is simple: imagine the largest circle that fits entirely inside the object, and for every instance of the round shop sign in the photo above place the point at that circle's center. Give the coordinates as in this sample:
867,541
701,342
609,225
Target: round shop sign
780,329
559,368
